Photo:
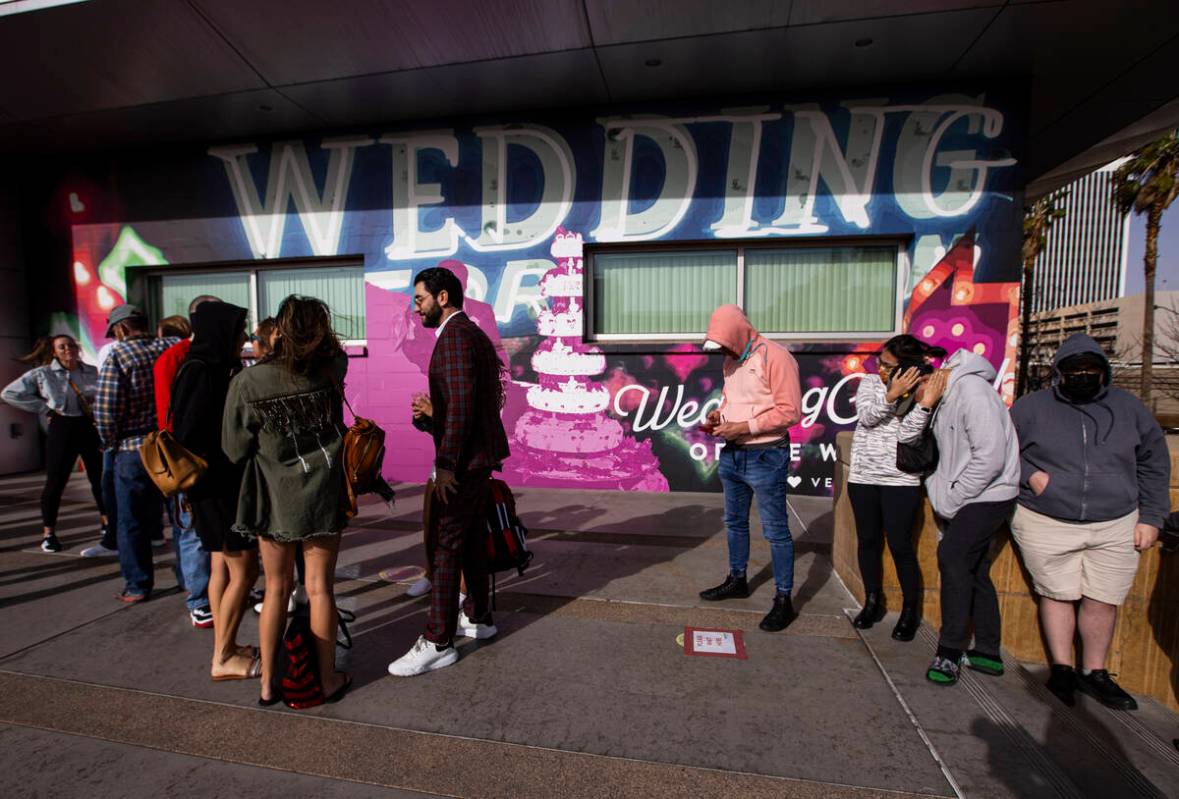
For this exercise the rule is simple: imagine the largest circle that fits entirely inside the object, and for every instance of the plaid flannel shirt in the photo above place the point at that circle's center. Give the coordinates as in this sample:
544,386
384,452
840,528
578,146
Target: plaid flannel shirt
125,410
464,371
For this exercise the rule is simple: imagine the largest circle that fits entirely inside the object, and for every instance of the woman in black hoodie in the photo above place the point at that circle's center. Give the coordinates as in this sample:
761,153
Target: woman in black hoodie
198,403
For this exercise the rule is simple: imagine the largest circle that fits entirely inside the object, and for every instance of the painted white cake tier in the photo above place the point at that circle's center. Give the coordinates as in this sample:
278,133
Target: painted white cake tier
567,323
559,283
557,358
569,397
566,245
546,433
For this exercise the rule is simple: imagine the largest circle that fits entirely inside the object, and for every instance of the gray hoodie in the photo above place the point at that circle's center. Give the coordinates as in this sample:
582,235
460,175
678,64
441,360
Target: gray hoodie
1104,458
978,454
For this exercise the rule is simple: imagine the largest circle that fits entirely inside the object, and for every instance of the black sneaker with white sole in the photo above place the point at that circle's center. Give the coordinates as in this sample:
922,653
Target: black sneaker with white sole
50,544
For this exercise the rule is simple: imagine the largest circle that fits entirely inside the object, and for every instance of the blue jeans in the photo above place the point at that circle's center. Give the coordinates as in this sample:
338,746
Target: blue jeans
139,509
110,537
760,472
192,561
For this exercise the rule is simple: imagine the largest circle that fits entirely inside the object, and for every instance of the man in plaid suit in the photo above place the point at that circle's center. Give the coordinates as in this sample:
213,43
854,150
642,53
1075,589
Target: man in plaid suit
466,391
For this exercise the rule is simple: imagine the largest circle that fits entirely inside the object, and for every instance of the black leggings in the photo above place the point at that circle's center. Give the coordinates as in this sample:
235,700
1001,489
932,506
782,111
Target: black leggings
69,437
893,509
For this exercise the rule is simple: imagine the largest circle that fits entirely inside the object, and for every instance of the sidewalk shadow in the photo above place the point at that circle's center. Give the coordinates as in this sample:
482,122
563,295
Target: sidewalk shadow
1088,771
386,631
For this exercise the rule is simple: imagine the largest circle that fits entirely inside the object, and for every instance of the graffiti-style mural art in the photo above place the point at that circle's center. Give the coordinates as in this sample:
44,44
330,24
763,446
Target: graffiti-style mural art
515,208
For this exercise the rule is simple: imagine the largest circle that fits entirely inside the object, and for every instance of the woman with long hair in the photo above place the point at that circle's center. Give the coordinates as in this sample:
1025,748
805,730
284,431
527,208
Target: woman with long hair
61,388
885,500
199,393
284,421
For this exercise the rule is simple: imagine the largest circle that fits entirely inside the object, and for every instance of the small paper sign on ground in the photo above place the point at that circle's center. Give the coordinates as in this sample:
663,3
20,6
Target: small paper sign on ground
709,642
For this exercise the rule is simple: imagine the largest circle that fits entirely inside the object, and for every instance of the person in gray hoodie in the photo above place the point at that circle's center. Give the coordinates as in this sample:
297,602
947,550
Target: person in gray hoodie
1093,494
972,492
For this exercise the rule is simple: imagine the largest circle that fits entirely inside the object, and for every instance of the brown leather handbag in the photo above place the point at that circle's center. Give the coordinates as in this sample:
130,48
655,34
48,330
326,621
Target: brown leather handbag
169,464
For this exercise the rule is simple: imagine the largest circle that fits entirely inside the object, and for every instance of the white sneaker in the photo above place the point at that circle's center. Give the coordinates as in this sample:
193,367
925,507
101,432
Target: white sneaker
98,551
423,657
469,629
419,588
292,603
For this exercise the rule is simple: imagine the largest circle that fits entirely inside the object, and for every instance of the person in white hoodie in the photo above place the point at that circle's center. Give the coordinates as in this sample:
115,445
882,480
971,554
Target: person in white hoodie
972,491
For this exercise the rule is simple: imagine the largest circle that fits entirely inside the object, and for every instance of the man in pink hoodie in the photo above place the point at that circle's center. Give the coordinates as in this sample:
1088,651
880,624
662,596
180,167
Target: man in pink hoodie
761,402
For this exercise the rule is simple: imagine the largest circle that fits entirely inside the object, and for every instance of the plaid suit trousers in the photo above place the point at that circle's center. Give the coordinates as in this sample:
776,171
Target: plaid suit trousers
460,548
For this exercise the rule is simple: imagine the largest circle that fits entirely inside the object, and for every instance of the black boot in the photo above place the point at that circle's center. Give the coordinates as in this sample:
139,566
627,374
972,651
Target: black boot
873,611
780,615
1063,684
731,588
907,624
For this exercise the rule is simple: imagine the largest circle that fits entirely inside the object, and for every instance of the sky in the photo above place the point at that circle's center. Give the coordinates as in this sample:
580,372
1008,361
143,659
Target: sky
1167,278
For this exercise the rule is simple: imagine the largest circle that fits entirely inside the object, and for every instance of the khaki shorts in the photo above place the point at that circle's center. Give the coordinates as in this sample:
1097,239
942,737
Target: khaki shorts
1068,560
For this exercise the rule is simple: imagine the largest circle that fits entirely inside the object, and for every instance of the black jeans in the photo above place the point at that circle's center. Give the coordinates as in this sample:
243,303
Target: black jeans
963,558
69,437
887,510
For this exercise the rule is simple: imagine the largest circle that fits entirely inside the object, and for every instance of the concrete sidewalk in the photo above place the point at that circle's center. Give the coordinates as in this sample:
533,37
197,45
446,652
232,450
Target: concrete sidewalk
584,693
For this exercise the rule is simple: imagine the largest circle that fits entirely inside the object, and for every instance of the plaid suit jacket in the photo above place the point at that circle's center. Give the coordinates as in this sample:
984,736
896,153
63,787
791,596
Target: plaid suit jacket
466,391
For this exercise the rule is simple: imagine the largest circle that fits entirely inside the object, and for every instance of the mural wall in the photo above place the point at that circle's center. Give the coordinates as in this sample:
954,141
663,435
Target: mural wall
512,207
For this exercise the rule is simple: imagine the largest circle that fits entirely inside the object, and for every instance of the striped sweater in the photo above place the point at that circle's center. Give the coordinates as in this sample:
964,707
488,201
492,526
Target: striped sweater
874,444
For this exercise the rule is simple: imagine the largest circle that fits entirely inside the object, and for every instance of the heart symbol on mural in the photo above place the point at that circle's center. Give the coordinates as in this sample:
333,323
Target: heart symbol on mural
794,480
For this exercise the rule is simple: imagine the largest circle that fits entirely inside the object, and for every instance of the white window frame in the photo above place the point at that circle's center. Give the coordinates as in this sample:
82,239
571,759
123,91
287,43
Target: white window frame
253,269
902,267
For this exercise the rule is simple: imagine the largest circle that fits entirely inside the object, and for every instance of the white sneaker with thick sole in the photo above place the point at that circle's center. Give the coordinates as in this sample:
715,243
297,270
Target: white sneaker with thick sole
423,657
98,551
419,588
469,629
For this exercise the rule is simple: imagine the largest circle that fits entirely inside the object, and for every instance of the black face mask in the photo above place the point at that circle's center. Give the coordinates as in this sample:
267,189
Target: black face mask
1080,386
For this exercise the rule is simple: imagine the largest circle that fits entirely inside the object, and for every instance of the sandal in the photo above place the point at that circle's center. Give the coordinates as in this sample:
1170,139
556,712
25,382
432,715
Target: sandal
253,672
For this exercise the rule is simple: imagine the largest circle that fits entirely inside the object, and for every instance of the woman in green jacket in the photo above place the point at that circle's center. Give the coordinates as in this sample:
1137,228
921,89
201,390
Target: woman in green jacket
284,422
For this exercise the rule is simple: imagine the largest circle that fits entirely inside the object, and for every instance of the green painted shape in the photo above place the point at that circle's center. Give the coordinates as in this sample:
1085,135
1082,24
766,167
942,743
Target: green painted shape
130,250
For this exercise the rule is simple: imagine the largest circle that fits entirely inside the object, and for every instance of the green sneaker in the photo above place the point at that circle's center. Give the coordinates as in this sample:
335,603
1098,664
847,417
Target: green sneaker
987,664
943,671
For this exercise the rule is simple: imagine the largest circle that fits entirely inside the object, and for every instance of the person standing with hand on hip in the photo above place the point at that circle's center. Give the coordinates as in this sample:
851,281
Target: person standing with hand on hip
761,402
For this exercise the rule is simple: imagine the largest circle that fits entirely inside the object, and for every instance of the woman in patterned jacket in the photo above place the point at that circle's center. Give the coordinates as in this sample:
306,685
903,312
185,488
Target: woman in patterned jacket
885,500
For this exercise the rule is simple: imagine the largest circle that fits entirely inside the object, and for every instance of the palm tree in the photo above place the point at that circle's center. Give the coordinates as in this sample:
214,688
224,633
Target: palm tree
1147,184
1036,221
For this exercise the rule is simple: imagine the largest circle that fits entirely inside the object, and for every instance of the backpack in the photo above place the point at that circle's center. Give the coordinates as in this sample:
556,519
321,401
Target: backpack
506,544
364,453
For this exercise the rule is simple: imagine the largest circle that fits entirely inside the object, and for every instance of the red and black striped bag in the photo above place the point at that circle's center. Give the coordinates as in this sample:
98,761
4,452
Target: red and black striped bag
507,546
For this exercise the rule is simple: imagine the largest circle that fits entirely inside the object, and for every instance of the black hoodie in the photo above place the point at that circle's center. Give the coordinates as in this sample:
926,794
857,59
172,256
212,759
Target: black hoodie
1105,458
198,395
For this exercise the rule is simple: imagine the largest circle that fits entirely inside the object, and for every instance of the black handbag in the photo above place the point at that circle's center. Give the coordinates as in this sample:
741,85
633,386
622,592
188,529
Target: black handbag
921,456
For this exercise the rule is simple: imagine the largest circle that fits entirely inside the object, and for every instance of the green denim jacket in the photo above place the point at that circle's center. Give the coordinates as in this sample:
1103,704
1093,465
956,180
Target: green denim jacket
288,430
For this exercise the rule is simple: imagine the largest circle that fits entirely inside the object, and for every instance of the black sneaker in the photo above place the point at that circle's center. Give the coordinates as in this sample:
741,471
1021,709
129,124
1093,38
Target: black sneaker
1063,684
780,615
50,543
1099,685
731,588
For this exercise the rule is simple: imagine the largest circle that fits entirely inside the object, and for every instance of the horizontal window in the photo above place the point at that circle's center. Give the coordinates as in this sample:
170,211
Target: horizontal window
263,290
798,291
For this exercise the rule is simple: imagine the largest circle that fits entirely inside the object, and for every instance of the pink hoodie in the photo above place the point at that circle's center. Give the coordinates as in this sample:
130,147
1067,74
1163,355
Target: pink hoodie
761,387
